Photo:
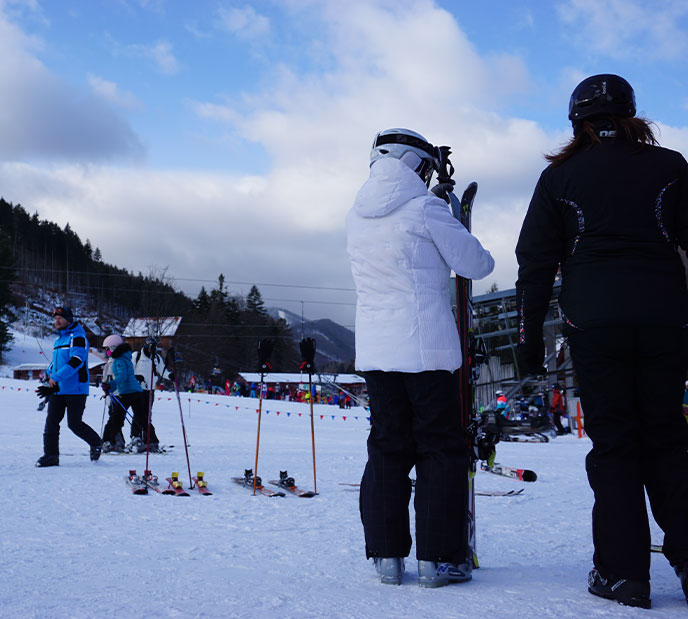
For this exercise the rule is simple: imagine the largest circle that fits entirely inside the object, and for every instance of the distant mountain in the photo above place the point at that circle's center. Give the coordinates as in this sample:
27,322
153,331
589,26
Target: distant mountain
335,344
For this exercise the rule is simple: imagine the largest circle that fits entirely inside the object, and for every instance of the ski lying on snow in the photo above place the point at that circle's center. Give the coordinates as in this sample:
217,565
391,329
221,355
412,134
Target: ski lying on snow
505,471
201,484
162,450
247,482
478,492
151,481
287,483
175,486
137,484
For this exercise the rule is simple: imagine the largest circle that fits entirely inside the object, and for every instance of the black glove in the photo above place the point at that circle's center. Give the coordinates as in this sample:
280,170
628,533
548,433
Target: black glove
105,387
140,378
45,391
265,348
307,347
530,360
170,376
442,190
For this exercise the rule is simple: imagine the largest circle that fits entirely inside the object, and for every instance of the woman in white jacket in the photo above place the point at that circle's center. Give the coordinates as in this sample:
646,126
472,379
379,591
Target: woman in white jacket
403,243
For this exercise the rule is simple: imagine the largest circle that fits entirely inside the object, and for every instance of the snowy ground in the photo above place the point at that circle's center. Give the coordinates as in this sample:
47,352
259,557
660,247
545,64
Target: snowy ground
76,543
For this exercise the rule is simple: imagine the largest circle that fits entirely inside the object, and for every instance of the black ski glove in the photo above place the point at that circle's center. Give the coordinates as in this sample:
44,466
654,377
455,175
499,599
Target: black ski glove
140,378
307,347
442,190
265,348
105,387
45,391
170,376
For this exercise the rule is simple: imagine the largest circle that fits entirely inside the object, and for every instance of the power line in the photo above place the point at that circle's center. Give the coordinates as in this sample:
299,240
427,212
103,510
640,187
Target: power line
181,279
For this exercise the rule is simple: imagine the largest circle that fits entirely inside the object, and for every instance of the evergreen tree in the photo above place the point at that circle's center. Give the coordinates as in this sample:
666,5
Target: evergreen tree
255,305
7,276
202,302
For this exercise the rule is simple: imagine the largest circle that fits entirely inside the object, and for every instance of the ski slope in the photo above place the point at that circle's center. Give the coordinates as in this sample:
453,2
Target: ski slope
77,543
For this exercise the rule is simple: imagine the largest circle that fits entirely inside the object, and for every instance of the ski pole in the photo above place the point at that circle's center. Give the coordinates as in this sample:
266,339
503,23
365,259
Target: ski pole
264,351
260,411
127,415
150,405
310,387
181,415
102,421
307,346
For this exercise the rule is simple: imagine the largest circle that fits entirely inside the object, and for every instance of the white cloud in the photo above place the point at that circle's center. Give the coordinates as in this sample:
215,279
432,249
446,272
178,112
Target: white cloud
628,29
402,63
112,93
159,54
42,116
246,23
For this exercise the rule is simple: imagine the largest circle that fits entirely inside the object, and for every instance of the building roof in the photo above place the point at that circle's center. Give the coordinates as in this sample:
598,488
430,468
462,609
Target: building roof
93,362
152,325
295,377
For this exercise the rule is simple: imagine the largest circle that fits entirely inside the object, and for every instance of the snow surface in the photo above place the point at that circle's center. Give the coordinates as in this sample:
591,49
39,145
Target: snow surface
76,543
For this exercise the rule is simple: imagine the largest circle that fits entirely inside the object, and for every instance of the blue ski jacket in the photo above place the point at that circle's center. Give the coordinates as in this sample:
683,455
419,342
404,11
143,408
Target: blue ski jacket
124,380
69,365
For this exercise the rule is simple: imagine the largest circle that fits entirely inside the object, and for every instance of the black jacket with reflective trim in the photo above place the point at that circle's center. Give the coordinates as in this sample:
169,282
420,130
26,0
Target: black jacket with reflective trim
612,218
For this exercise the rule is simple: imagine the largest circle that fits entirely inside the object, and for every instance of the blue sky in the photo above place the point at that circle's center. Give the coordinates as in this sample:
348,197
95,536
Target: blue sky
223,136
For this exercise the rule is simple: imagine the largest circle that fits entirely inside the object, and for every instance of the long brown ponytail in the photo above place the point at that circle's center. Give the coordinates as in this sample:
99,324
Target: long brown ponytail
637,129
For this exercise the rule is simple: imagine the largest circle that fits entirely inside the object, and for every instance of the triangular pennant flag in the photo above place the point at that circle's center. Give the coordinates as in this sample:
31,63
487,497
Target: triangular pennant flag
344,418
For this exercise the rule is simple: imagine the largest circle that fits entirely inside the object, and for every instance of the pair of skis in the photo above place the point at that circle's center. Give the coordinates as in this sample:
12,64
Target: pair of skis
141,484
285,482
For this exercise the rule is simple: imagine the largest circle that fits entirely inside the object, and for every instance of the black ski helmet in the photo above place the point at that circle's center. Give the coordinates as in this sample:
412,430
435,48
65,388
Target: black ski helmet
604,94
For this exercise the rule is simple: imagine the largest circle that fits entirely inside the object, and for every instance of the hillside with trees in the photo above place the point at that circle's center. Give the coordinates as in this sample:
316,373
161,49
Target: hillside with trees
42,263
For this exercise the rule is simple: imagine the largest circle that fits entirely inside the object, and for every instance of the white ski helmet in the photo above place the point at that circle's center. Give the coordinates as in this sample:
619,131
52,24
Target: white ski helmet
407,146
112,341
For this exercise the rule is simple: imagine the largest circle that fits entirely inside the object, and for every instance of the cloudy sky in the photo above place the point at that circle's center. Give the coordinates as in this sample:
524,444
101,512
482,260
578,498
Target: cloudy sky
231,136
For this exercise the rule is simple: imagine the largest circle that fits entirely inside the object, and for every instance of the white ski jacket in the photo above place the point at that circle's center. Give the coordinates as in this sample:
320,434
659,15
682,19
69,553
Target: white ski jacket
143,367
402,242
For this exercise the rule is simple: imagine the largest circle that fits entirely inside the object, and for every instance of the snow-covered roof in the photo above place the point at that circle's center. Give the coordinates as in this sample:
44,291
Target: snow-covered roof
294,377
152,325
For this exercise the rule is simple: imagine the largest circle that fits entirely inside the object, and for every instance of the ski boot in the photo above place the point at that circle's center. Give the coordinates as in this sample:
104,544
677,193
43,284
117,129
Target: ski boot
389,569
118,445
136,446
432,574
106,447
154,448
96,450
626,592
682,573
46,460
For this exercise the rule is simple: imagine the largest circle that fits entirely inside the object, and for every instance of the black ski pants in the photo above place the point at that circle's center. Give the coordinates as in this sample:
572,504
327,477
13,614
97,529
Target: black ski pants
140,426
74,406
118,410
415,421
631,383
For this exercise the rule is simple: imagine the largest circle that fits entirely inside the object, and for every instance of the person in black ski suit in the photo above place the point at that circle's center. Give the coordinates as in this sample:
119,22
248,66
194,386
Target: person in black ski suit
67,389
611,211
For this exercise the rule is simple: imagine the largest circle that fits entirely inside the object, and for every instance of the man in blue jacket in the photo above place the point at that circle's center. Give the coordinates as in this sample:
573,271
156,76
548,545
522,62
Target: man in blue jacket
67,388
